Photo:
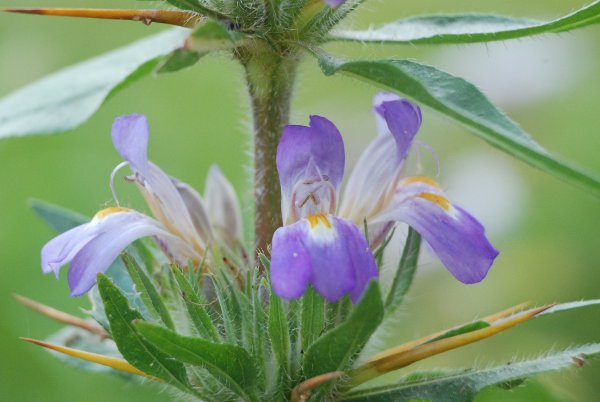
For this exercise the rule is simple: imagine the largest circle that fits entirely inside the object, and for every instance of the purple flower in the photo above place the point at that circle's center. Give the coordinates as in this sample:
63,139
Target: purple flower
334,3
330,252
184,227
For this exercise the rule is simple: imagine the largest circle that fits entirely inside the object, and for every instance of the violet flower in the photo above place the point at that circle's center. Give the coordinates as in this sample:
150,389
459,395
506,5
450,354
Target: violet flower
329,251
334,3
183,227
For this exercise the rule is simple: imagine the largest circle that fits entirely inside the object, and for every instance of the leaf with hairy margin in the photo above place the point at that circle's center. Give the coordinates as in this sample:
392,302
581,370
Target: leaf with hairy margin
468,28
230,364
463,386
65,99
334,350
463,102
135,349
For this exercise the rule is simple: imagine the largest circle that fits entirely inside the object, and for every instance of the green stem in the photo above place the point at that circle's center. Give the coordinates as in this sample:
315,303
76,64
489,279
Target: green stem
270,76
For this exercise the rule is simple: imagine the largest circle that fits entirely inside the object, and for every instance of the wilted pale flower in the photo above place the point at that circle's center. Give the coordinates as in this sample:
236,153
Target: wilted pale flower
330,252
183,228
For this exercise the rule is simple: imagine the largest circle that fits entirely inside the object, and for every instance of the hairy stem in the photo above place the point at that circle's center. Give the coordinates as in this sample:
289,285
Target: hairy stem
270,77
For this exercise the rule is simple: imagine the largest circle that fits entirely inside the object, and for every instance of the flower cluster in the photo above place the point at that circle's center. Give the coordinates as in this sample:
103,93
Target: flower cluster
322,244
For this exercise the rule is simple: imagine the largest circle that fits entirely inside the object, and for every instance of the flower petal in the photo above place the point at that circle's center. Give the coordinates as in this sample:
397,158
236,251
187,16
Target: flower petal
334,3
291,266
115,233
320,143
197,209
455,236
373,180
223,207
60,250
360,254
130,138
330,253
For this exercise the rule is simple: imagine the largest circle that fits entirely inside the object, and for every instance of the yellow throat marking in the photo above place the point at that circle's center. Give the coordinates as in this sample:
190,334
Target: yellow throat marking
109,211
315,219
436,199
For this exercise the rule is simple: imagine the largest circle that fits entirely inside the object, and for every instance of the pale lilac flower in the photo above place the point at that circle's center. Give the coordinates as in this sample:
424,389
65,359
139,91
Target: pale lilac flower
182,227
330,252
92,247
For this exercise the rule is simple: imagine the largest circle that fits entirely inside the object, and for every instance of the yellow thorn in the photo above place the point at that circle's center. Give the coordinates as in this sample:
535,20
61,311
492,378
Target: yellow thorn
61,316
108,361
412,352
409,345
171,17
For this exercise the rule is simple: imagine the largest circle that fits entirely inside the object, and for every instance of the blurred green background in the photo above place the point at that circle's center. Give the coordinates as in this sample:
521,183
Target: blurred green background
547,231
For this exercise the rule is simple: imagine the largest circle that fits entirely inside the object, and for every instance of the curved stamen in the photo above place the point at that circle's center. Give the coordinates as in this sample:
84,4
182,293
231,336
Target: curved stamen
112,181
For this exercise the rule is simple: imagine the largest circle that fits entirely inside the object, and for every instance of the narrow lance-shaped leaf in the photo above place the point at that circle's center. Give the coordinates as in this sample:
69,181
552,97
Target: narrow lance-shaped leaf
58,218
464,385
464,103
405,272
334,350
195,307
313,317
146,288
132,346
67,98
230,364
279,333
468,28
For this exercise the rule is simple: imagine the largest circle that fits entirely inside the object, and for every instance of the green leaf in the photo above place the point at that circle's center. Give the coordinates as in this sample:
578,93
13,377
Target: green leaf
335,350
58,218
569,306
147,290
132,346
405,272
67,98
313,317
258,326
195,307
468,28
463,329
230,364
233,309
209,36
464,103
462,386
279,333
178,60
